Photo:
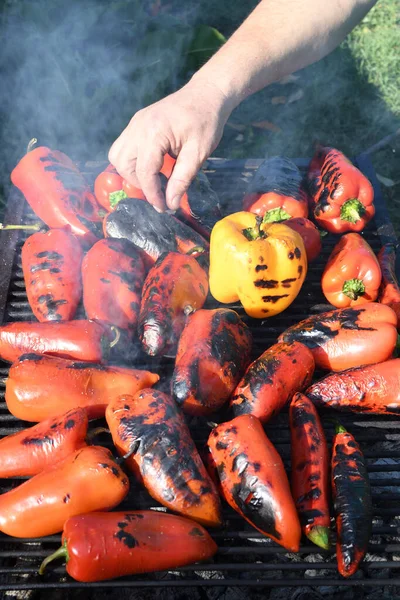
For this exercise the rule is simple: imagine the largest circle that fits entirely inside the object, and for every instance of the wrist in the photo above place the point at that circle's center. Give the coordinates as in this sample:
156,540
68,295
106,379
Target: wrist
205,85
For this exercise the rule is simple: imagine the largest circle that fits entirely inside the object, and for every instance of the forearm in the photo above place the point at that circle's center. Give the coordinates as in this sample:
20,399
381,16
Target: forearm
278,38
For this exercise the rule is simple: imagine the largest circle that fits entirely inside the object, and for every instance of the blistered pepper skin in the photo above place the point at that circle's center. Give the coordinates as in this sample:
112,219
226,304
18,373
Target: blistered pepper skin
272,379
253,479
213,352
389,292
165,458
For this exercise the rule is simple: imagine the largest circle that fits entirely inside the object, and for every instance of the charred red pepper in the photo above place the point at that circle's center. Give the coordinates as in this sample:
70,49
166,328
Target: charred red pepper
352,275
51,263
34,383
213,351
199,207
253,479
276,192
370,389
352,502
343,196
310,235
310,470
113,273
32,450
84,481
389,292
79,340
130,543
347,337
165,458
272,379
110,188
58,193
175,287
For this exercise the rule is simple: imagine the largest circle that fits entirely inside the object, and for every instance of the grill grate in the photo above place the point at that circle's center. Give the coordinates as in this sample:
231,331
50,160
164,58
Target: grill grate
245,557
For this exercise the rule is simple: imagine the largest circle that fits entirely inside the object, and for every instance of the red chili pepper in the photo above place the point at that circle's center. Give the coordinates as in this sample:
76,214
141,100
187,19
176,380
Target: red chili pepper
165,458
352,275
58,193
51,263
79,340
352,502
310,235
113,273
272,379
84,481
310,470
32,450
130,543
389,292
343,196
34,383
253,479
213,352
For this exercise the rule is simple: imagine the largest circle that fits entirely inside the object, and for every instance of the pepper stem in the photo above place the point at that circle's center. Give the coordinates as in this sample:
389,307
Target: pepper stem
319,536
255,233
117,336
340,429
34,227
31,144
61,552
276,215
352,210
94,432
116,197
196,250
353,288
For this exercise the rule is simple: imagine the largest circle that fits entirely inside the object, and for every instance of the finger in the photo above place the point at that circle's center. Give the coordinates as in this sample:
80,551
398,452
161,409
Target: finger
148,166
185,170
122,155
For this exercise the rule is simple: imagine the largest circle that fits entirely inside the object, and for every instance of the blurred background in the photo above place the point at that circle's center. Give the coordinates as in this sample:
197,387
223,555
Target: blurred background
73,74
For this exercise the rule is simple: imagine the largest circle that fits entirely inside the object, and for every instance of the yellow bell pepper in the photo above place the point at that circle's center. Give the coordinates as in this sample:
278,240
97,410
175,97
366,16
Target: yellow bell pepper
261,264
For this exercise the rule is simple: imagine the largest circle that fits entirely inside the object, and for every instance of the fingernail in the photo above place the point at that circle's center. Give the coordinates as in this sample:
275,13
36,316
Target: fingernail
157,209
175,202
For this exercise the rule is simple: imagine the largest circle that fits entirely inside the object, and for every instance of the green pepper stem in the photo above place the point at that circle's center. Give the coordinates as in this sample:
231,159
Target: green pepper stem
31,144
196,250
255,233
117,336
353,288
340,429
94,432
319,536
116,197
61,552
276,215
34,227
352,210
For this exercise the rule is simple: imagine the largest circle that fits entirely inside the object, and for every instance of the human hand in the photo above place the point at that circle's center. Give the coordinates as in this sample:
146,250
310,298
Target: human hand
187,124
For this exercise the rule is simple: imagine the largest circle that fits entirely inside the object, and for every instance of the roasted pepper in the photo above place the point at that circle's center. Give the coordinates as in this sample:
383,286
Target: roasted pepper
130,543
253,479
113,273
79,340
57,192
34,383
275,192
347,337
370,389
262,265
352,275
272,379
309,234
351,500
175,287
343,196
164,456
32,450
310,470
153,232
84,481
213,352
389,292
199,207
110,188
51,263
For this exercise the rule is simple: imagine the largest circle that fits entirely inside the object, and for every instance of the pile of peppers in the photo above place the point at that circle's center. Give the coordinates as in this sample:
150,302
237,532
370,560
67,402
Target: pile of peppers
112,284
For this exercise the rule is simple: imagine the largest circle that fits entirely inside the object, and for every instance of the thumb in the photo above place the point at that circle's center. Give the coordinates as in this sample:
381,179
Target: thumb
185,170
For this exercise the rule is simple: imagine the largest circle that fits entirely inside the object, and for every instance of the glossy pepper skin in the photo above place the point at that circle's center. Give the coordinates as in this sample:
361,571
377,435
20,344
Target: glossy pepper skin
370,389
57,192
84,481
275,192
213,352
154,233
32,450
131,542
165,458
347,337
310,470
352,502
113,273
310,235
262,265
389,292
253,479
39,387
272,379
352,275
51,263
79,340
343,196
175,287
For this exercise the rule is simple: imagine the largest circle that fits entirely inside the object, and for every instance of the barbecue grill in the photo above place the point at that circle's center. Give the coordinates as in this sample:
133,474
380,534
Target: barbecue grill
245,557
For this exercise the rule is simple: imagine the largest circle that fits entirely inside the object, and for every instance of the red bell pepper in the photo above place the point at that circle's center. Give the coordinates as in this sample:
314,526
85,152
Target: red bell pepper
389,292
310,235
